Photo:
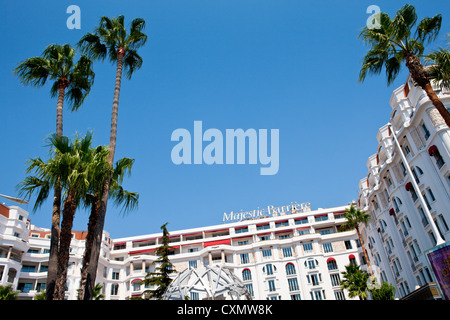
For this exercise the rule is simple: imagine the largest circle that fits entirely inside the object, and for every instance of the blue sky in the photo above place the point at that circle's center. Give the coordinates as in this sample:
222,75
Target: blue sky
287,65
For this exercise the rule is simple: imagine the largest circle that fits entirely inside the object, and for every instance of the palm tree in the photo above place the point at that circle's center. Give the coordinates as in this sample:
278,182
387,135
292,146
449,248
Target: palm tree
439,66
393,43
72,166
98,295
71,82
385,292
110,39
354,217
7,293
127,200
161,278
355,281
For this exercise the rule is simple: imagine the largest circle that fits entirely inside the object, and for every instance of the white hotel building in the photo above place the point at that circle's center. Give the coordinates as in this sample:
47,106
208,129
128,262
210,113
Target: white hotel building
400,232
298,255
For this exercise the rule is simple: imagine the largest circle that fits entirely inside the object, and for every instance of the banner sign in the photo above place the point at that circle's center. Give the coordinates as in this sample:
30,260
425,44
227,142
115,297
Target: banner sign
439,259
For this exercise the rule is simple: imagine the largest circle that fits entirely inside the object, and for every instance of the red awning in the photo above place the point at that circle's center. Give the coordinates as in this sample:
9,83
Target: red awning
303,228
192,234
432,150
190,244
134,280
119,243
408,186
262,224
351,256
331,259
216,230
215,243
144,240
392,212
247,236
141,251
283,231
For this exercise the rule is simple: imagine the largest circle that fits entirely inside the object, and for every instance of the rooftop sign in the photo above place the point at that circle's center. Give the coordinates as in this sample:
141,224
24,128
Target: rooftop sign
265,212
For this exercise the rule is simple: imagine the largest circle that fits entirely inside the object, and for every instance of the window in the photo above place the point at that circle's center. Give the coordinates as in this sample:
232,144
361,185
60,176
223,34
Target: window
136,285
301,221
245,258
115,275
407,150
303,231
423,216
267,253
296,297
322,217
114,289
271,285
425,132
403,168
348,244
331,264
194,296
290,269
263,227
396,204
293,284
268,269
339,295
282,224
24,287
307,247
327,247
287,252
250,289
193,264
311,263
416,177
444,223
246,275
434,152
335,279
430,193
28,269
241,230
243,243
316,295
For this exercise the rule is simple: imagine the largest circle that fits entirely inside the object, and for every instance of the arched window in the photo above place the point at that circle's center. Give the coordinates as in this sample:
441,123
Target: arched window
246,275
331,264
352,259
269,269
290,269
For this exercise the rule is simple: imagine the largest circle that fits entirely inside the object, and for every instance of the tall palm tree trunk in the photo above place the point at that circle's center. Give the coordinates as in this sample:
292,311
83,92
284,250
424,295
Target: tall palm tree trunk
88,247
96,246
421,77
364,250
56,212
64,245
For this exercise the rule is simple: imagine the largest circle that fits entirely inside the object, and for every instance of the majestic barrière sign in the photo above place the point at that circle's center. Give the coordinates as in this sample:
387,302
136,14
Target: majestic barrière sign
265,212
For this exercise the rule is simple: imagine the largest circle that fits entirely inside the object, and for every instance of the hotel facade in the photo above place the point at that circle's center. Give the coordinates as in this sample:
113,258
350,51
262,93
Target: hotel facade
407,190
286,255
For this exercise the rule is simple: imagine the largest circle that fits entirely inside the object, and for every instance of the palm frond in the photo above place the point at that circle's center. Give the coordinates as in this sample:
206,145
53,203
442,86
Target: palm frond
33,71
131,62
428,29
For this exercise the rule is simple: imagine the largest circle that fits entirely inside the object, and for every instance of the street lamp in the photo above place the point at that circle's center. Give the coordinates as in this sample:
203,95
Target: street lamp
418,192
